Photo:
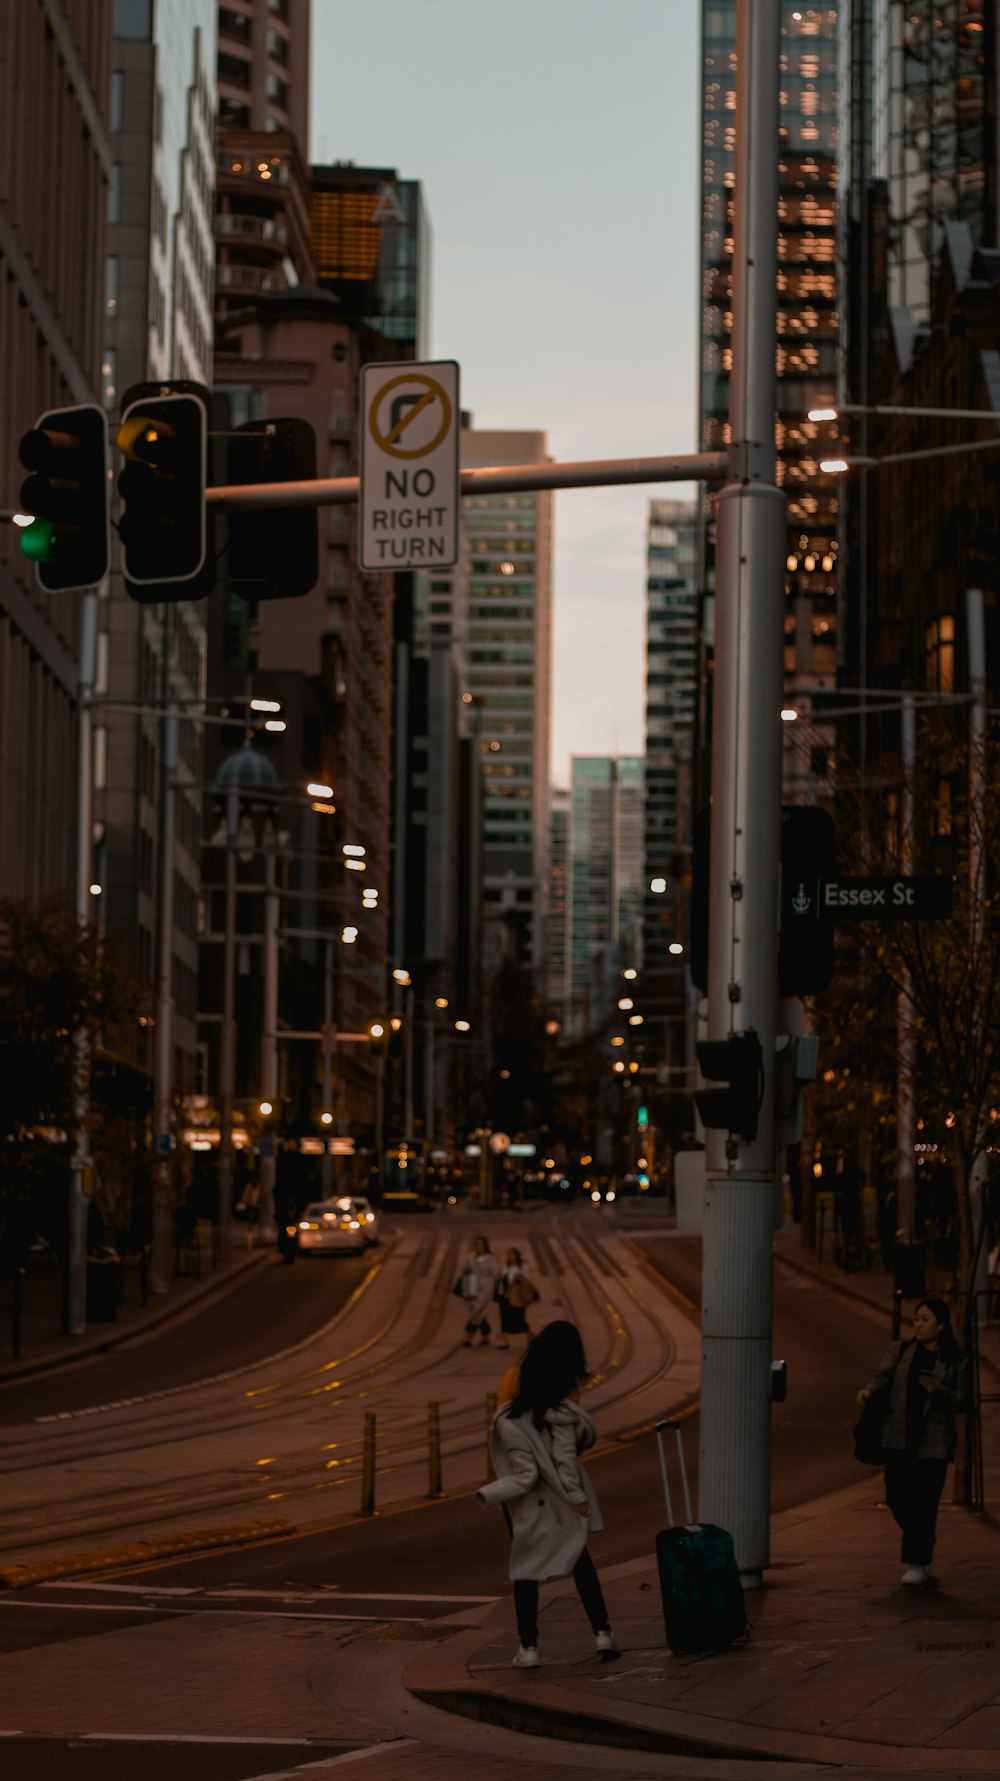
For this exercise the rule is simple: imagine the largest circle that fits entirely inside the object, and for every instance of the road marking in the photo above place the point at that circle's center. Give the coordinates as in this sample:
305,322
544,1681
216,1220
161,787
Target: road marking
333,1762
235,1613
291,1594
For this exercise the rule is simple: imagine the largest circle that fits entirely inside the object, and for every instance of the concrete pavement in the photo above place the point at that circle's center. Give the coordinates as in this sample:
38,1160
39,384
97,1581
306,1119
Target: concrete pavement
843,1666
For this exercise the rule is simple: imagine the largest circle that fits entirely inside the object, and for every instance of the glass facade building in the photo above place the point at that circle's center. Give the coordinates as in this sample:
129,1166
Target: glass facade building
371,246
671,708
605,882
807,313
509,579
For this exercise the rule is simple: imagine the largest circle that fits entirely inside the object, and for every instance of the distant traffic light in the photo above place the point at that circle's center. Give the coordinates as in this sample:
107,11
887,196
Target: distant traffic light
642,1119
68,538
165,536
806,942
738,1061
273,551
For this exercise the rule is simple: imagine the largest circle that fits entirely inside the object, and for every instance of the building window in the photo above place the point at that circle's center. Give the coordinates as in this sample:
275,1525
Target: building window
233,115
940,654
237,25
277,91
117,108
233,70
277,46
115,195
134,18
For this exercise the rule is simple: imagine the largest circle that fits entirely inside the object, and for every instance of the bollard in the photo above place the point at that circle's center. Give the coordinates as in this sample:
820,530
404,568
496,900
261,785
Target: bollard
434,1449
491,1410
368,1466
897,1314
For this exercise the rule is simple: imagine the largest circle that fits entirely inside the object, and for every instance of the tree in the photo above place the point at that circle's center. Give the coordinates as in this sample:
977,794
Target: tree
58,977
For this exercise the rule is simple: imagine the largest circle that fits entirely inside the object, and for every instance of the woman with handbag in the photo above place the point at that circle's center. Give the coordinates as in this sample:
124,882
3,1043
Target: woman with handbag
536,1442
515,1293
922,1384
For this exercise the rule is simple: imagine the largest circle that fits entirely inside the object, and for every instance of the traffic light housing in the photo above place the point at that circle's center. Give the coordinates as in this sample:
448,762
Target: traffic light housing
68,539
806,940
806,944
737,1061
273,551
163,437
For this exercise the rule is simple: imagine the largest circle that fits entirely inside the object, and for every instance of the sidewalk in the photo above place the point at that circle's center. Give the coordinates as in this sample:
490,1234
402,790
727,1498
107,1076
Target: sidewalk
843,1667
44,1346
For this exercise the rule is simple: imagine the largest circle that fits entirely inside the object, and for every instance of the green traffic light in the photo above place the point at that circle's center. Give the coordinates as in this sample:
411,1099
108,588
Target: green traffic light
38,541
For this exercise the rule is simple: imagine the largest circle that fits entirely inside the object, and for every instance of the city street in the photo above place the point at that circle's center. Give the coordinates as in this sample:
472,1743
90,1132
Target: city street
285,1438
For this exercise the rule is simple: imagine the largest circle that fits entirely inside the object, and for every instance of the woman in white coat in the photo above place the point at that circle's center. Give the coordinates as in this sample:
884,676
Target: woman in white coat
536,1444
484,1267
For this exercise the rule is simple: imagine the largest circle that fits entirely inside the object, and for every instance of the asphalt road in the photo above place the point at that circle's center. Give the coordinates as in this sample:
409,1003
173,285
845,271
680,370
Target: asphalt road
831,1346
271,1309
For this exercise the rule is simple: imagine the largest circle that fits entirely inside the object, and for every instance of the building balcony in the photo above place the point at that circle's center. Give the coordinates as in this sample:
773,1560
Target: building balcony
253,279
256,231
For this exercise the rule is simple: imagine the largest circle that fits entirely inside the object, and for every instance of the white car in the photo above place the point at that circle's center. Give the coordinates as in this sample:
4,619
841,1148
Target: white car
330,1225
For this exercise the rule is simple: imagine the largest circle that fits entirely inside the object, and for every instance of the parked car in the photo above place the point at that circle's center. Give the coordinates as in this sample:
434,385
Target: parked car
330,1225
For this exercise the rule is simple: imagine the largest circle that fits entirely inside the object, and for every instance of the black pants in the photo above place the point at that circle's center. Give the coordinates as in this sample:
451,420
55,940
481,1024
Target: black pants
588,1588
483,1327
913,1490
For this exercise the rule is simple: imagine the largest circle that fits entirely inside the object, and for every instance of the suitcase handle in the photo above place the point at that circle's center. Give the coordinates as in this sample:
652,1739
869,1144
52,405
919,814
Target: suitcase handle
675,1425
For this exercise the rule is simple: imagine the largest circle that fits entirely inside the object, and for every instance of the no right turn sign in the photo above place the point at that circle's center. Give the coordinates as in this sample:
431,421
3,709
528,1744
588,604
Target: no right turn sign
409,466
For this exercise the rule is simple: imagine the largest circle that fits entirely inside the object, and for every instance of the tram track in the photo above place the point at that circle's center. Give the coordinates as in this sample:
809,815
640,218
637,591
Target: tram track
307,1469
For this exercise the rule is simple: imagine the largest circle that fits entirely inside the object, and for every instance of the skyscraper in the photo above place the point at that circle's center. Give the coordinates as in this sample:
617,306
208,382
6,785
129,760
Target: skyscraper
510,667
371,245
807,310
158,325
605,882
671,711
56,176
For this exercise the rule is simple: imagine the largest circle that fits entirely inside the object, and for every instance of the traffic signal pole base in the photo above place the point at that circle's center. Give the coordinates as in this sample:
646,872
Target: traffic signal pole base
734,1474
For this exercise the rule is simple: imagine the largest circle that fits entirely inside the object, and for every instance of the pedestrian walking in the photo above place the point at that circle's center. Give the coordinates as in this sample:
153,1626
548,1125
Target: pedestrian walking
536,1443
483,1267
515,1292
920,1385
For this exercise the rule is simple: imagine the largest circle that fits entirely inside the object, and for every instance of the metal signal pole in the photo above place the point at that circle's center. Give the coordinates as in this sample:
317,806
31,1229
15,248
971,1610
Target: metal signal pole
735,1469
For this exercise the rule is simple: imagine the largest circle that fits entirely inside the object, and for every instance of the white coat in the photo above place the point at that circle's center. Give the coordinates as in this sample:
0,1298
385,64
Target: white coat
486,1268
540,1478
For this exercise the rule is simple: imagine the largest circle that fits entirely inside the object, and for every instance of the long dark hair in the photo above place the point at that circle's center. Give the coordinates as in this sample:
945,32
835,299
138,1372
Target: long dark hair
554,1366
947,1341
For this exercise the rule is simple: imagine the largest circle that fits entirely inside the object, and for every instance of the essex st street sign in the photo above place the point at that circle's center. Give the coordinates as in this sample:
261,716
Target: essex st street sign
887,899
408,508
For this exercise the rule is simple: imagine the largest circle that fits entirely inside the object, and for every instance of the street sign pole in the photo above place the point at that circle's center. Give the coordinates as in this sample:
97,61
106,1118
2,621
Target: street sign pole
735,1465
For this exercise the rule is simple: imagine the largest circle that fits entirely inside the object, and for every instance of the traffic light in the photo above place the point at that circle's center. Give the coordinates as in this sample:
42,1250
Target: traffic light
738,1061
163,528
68,539
378,1037
642,1119
273,551
806,942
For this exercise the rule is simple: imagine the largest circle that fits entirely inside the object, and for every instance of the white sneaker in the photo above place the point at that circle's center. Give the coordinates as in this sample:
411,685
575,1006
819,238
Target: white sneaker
916,1575
526,1658
607,1646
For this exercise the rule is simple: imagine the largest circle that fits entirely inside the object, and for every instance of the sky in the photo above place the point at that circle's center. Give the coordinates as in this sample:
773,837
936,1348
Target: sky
557,145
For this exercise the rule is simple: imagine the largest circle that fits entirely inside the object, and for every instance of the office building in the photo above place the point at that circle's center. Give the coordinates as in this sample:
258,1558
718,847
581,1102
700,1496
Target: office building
807,313
56,175
557,929
158,326
509,678
371,245
671,712
605,883
263,67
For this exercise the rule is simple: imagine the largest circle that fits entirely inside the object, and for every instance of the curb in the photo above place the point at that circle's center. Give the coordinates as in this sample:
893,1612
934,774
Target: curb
76,1564
153,1320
